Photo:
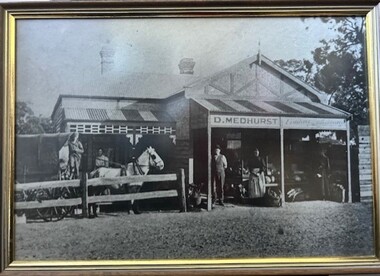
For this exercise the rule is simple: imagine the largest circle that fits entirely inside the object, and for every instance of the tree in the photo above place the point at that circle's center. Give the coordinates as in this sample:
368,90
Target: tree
302,69
338,67
28,123
341,68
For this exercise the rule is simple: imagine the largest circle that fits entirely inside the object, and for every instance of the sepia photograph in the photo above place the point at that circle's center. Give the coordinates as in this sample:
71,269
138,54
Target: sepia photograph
192,138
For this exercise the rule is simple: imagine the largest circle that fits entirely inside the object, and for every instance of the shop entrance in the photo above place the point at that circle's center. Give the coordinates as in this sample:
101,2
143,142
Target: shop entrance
238,146
302,149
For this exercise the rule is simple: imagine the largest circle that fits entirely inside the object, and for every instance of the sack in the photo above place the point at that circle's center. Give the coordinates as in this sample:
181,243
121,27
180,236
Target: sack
272,197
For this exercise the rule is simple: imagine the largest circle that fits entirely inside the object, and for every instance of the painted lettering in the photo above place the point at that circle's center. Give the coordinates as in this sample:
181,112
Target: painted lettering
217,120
228,120
275,122
245,121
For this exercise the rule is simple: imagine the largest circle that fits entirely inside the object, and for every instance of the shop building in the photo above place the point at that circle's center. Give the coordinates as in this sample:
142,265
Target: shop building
252,104
122,126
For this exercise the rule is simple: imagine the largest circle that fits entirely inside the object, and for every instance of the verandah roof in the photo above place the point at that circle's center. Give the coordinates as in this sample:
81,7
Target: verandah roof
270,107
116,115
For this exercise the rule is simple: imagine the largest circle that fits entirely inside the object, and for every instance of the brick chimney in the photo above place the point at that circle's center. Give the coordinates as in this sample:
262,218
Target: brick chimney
107,62
186,66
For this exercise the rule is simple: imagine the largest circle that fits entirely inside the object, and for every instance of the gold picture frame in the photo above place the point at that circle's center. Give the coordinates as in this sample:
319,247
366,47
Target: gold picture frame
11,12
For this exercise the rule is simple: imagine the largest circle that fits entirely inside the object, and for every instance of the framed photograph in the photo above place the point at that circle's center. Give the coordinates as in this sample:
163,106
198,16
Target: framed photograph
189,138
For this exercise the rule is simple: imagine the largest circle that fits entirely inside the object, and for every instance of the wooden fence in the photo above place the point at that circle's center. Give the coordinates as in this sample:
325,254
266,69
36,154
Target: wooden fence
85,199
365,166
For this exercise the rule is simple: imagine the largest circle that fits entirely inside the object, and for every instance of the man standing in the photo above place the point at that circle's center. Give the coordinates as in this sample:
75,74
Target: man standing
219,164
323,173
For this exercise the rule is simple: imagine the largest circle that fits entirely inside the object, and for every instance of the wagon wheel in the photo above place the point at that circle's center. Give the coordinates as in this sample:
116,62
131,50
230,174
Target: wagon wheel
28,195
23,196
53,213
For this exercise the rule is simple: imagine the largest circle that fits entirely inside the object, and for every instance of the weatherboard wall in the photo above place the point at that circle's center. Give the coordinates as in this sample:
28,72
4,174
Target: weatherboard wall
365,167
179,109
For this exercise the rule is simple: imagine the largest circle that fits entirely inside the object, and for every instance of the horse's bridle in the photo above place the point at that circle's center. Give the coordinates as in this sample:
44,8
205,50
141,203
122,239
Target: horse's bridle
153,160
136,164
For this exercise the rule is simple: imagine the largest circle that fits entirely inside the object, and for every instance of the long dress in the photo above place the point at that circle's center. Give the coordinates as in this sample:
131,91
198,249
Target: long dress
75,150
256,184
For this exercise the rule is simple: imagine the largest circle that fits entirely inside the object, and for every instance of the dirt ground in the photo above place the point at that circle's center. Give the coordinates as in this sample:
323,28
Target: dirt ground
298,229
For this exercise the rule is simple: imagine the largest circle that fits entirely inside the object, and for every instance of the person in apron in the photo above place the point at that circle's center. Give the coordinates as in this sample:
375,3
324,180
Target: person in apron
257,167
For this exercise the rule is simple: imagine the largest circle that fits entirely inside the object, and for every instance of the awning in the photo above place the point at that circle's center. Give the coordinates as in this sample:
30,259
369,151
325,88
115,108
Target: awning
271,108
116,115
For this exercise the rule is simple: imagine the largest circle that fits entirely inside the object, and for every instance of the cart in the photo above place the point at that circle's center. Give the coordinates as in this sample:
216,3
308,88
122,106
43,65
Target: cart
41,158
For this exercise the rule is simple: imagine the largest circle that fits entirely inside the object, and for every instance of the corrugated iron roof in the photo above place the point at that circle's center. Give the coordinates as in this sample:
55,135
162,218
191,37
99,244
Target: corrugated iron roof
128,115
98,114
76,114
280,108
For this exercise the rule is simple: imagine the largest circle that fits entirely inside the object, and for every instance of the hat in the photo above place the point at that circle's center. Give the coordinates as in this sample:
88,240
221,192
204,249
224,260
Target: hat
217,147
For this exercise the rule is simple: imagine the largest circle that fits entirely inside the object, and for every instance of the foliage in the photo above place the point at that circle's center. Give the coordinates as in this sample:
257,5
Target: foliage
28,123
338,67
302,69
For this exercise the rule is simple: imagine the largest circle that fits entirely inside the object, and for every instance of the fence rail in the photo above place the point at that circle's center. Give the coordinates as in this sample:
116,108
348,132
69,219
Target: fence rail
103,181
47,185
85,199
137,196
48,203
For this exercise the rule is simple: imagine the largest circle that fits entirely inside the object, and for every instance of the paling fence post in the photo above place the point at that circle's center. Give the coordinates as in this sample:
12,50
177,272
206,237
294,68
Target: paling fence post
182,190
84,195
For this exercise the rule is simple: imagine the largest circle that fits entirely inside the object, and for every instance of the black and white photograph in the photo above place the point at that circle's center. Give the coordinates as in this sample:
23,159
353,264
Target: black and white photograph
192,138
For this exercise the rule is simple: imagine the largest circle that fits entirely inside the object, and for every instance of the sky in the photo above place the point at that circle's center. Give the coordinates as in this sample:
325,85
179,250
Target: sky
56,56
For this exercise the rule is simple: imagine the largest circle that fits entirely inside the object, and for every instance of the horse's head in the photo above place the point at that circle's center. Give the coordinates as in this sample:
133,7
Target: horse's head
154,159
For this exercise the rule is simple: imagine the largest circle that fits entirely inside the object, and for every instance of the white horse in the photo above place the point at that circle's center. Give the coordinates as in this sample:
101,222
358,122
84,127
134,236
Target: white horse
140,166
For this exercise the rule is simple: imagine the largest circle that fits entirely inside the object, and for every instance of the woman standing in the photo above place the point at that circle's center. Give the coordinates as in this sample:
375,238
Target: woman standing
257,167
75,155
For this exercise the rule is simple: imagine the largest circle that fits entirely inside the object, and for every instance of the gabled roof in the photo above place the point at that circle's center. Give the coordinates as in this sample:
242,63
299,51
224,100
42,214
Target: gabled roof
206,80
163,88
134,86
285,73
311,92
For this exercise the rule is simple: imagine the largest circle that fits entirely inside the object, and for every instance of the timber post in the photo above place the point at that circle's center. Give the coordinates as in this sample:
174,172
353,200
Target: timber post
182,190
84,195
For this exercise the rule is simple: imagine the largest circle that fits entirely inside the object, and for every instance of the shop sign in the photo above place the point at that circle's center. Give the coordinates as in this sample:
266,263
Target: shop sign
244,121
313,123
241,121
